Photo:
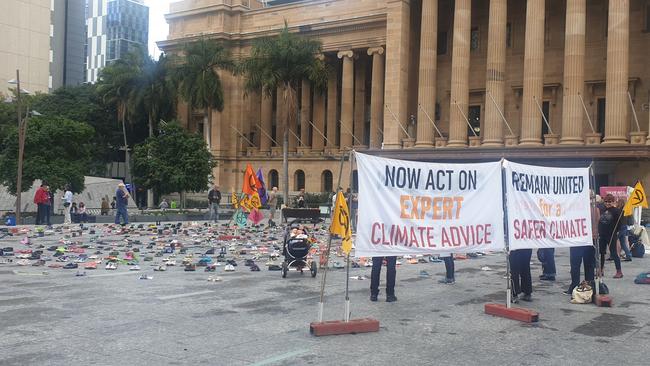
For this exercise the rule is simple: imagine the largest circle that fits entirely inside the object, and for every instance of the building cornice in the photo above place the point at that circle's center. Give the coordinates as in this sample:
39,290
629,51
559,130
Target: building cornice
543,153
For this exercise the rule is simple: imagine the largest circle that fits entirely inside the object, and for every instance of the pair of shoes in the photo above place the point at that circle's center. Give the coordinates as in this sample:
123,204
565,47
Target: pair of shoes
71,266
568,292
547,278
618,274
391,298
627,259
373,297
527,298
447,281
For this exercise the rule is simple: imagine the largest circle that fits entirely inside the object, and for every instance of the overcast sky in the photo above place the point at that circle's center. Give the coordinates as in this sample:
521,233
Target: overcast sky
158,27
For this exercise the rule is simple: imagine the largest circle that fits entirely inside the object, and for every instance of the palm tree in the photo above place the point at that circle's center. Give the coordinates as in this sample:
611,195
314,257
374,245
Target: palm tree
283,62
154,93
199,83
116,85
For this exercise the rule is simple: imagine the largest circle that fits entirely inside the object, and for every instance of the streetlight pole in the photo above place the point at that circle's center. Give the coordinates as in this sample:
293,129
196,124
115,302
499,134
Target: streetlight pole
21,148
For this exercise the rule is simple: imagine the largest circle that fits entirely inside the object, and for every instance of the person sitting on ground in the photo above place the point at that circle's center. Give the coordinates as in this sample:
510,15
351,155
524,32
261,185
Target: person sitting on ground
82,216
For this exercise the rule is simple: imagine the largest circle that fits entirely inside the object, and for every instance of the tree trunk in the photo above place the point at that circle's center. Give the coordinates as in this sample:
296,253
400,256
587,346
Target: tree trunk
150,191
290,112
127,159
208,129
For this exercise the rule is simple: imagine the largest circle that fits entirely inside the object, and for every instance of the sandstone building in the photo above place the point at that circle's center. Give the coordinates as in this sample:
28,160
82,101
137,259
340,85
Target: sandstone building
558,82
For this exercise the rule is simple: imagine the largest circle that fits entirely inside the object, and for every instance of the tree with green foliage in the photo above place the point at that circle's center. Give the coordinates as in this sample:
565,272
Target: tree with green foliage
57,150
83,104
173,161
154,91
197,77
283,62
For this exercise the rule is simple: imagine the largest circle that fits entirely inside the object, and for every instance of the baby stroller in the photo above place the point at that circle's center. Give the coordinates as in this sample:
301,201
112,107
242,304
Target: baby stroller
296,249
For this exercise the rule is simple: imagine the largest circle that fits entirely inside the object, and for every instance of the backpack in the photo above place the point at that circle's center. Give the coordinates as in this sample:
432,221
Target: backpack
582,293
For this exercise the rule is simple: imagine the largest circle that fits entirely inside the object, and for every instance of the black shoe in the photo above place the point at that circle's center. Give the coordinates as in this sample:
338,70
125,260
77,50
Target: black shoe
447,281
70,266
627,259
547,278
373,297
391,298
568,292
527,298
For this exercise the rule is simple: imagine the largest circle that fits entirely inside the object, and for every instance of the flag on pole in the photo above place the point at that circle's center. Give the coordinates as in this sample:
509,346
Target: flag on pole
261,188
341,223
637,199
250,181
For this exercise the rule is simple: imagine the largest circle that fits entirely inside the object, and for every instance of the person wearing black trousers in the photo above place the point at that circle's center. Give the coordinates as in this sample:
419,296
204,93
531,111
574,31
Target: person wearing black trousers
390,278
520,274
450,278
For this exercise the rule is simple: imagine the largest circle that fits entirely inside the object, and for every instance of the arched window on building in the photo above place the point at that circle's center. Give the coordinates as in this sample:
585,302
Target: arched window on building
298,180
326,181
273,179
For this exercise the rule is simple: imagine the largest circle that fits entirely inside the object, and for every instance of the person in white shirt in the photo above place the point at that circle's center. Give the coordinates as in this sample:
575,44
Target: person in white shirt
67,203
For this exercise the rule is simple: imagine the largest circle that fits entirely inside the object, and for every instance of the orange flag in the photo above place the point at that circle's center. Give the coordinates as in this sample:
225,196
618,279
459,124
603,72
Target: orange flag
250,181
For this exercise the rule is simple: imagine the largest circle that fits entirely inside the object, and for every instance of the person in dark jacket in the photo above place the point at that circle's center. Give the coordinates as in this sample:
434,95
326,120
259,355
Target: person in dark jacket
520,274
214,199
607,229
585,254
122,202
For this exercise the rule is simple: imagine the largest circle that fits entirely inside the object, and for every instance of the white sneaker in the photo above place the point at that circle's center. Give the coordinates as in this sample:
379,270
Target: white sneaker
229,268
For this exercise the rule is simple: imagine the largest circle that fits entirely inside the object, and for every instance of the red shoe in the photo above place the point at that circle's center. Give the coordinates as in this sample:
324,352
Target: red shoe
618,274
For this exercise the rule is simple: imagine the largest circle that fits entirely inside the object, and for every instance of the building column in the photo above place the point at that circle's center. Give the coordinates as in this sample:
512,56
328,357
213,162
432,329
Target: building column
332,94
618,38
531,119
347,98
360,101
460,74
427,76
377,96
318,142
574,72
266,116
305,113
495,74
396,76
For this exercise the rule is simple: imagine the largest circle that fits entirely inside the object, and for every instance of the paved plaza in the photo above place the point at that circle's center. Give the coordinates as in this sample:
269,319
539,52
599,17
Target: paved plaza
50,316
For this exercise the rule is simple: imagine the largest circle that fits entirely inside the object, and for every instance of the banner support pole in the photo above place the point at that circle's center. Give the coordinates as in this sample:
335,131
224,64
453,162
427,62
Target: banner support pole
597,273
327,251
346,316
505,237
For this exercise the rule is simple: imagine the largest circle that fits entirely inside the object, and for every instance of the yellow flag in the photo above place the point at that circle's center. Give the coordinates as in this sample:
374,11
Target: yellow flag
341,223
637,198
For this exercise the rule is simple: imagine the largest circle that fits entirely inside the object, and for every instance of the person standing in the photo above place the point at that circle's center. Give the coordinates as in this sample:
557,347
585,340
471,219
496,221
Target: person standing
272,201
623,232
82,215
520,273
121,203
104,206
450,277
547,257
47,208
67,205
214,199
585,254
40,199
390,278
607,230
164,205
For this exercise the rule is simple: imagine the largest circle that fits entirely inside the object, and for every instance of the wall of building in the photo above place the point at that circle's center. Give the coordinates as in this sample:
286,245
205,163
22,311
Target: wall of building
25,43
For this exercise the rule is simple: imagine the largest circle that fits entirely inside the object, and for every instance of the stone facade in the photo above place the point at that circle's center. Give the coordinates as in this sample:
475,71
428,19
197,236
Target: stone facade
463,80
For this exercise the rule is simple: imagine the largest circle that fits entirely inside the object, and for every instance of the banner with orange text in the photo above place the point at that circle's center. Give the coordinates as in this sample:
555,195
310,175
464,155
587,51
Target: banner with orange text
408,207
547,207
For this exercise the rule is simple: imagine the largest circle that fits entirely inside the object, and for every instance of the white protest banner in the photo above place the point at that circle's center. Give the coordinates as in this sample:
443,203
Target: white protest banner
408,207
547,207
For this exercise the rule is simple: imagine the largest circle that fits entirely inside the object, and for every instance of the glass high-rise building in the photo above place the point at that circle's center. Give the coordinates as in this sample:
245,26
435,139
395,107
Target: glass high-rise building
114,28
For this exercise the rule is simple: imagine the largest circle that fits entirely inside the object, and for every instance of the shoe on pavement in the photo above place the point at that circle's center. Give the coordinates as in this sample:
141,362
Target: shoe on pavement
527,298
373,297
547,278
447,281
391,298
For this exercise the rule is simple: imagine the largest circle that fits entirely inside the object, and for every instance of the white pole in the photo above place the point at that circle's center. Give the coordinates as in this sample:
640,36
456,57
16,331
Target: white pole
466,120
541,111
398,122
638,128
430,120
591,124
501,113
